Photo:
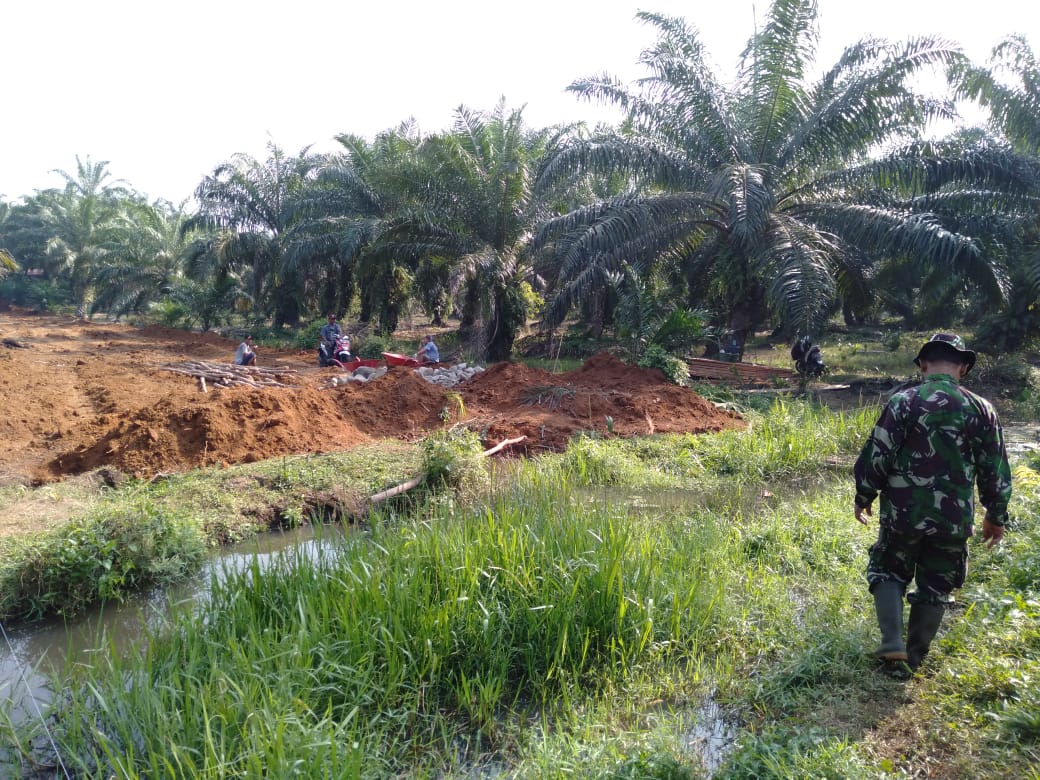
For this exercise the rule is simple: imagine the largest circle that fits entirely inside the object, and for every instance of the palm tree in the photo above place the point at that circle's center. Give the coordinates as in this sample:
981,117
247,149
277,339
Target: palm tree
774,195
342,213
1009,86
144,261
252,203
7,261
81,222
474,205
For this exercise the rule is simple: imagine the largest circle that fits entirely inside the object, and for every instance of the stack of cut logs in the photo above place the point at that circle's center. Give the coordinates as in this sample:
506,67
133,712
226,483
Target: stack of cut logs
226,375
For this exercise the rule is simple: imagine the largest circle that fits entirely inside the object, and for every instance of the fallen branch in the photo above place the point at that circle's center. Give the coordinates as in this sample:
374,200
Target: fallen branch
404,487
502,445
396,490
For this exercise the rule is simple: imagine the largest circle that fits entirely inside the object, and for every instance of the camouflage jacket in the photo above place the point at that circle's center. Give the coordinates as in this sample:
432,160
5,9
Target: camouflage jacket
925,454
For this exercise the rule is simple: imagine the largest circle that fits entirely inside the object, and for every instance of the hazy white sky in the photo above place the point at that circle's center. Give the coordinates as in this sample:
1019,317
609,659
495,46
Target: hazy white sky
166,91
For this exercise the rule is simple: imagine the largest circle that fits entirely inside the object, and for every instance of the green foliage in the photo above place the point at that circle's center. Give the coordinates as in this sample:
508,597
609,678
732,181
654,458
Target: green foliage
675,368
107,557
531,299
21,290
453,458
7,264
372,346
1010,329
590,461
718,161
796,753
790,439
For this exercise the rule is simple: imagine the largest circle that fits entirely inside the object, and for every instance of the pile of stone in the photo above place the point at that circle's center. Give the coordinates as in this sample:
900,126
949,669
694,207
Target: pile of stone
448,376
359,374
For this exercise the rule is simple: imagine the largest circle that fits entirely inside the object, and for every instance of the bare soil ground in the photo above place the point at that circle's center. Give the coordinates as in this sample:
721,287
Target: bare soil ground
77,396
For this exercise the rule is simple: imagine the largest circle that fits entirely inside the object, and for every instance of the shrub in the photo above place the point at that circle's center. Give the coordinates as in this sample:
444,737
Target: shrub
453,458
372,347
673,367
107,557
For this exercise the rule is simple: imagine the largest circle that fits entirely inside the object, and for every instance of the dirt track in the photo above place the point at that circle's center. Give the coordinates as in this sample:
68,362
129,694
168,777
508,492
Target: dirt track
82,395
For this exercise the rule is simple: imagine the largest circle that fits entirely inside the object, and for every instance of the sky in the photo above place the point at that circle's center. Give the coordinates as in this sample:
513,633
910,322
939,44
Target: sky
165,92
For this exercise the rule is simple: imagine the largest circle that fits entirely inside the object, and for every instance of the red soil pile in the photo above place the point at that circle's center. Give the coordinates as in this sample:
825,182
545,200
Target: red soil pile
233,425
400,404
82,395
604,396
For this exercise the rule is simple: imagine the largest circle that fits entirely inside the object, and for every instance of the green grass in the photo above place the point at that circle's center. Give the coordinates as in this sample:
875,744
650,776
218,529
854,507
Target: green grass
551,630
118,541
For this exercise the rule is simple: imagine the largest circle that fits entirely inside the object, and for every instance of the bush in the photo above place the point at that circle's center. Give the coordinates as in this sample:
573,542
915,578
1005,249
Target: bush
453,458
108,557
673,367
21,290
372,347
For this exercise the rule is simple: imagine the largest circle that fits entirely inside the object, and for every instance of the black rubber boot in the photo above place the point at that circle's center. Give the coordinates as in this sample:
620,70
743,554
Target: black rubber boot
888,603
921,630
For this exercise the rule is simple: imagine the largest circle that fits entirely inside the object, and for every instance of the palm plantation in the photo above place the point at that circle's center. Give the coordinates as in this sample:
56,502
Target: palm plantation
775,197
773,201
466,218
1010,89
250,204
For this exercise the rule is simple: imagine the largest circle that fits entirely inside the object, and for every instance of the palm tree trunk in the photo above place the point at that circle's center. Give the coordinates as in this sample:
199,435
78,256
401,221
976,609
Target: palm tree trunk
470,309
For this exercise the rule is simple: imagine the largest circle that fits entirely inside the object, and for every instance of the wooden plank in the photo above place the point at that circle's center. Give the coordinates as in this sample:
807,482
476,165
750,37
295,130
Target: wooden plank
703,368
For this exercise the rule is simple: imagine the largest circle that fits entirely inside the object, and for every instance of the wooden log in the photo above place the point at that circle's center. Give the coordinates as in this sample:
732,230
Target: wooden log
396,490
404,487
703,368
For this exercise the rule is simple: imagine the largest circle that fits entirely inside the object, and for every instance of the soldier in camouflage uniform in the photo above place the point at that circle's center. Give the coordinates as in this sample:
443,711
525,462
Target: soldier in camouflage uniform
929,448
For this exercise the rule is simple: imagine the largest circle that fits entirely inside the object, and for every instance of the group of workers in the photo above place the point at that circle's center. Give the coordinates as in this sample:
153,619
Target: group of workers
330,335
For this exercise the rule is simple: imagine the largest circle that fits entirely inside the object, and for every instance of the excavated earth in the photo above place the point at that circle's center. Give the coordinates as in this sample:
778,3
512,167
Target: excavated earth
77,395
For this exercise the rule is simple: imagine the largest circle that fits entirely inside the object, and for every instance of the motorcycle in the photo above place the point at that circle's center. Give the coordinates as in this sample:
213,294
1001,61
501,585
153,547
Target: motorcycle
808,358
336,353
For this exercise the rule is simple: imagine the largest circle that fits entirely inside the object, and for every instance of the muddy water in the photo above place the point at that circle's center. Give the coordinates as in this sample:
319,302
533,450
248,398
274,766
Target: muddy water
30,654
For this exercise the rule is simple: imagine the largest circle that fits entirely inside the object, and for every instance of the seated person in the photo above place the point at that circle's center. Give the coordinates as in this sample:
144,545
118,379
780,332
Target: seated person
245,355
428,351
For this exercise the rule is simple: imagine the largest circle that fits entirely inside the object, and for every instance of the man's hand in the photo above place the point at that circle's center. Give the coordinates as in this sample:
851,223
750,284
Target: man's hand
991,532
862,513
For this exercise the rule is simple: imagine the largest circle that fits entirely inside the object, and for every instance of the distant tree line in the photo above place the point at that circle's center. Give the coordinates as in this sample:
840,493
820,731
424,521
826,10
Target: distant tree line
774,201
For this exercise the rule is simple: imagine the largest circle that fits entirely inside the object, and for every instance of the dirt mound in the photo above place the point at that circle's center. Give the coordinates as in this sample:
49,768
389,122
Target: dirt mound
86,395
234,425
400,404
604,396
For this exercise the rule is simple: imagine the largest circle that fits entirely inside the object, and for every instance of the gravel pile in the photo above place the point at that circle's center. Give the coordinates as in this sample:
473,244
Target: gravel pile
449,376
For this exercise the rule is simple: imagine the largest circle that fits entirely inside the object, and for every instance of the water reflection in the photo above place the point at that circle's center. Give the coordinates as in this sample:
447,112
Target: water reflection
31,653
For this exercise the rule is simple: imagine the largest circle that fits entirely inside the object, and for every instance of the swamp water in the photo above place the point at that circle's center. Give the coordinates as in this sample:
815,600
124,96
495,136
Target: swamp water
30,654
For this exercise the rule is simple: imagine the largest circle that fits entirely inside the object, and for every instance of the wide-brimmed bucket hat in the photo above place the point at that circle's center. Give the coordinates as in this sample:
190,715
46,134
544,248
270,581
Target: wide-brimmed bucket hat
950,343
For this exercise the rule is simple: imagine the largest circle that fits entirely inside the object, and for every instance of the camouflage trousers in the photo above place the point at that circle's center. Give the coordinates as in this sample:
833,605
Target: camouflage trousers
938,564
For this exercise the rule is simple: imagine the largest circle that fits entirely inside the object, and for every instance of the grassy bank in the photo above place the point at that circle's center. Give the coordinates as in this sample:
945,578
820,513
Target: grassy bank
587,619
111,542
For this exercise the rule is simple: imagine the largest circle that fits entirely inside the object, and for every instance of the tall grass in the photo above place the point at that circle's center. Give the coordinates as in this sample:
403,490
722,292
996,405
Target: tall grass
546,633
403,642
790,441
